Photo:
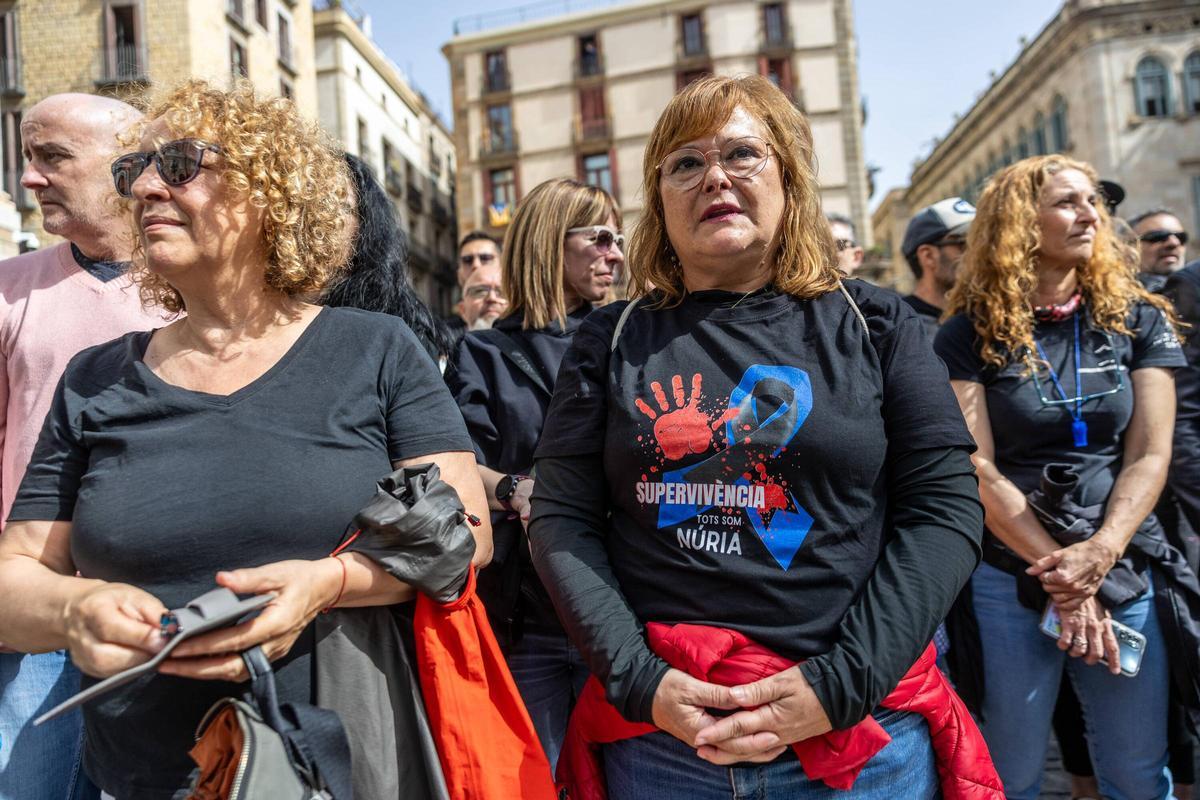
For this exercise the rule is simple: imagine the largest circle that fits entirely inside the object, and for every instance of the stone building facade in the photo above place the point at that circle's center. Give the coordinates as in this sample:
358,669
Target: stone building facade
128,48
366,103
577,95
1115,83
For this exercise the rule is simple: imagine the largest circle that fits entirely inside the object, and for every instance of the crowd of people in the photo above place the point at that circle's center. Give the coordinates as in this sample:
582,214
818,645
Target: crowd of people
744,525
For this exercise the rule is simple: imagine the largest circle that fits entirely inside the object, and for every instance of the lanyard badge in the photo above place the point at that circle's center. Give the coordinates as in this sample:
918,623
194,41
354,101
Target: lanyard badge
1079,428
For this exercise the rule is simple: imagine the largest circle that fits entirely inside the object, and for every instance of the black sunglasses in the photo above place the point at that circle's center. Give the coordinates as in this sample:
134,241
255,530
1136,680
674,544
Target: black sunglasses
177,162
1155,237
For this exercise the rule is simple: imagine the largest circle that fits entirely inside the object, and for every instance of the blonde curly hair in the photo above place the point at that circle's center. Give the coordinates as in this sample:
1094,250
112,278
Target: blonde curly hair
806,259
277,160
998,275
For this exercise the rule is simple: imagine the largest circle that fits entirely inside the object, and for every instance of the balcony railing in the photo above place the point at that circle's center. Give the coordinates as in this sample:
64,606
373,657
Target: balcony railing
591,130
589,65
393,179
777,39
10,76
498,144
123,63
496,81
415,198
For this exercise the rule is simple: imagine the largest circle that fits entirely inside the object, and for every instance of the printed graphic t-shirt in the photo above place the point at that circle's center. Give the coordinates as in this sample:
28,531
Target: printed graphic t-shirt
746,450
1030,433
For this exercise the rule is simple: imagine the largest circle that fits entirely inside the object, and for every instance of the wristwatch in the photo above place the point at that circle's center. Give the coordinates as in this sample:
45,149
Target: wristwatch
506,486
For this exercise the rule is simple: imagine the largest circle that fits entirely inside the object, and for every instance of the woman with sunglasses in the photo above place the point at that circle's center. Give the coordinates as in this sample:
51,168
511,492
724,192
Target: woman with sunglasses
756,464
562,252
1059,356
233,445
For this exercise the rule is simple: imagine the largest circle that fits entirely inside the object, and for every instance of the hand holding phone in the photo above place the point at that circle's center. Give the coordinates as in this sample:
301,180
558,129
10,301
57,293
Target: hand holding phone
1131,644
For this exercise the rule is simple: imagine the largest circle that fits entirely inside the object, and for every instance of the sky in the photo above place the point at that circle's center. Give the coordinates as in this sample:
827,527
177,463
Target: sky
919,64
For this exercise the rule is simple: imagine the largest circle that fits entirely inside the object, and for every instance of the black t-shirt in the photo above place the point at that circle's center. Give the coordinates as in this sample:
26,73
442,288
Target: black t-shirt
1029,433
746,448
929,314
166,486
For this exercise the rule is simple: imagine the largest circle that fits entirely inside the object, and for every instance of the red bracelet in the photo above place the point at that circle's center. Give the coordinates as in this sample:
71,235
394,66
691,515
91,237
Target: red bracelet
341,588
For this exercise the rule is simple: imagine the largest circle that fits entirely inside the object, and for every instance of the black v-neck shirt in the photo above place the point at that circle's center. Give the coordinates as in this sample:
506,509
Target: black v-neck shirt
166,486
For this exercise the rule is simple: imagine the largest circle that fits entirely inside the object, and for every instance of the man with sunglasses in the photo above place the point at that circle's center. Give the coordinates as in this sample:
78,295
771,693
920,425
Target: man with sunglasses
477,249
54,303
1162,241
933,246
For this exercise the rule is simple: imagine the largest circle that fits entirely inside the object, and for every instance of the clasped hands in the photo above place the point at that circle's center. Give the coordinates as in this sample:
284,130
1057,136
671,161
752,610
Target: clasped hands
769,715
116,626
1072,576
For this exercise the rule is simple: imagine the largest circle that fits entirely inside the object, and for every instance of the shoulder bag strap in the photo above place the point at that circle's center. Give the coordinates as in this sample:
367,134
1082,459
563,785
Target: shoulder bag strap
621,320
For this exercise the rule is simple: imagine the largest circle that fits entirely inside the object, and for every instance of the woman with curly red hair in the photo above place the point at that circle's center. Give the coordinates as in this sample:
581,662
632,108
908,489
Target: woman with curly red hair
1061,359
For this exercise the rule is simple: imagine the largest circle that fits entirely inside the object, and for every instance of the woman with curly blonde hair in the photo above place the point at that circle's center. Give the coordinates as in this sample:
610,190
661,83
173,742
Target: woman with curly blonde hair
756,459
1062,364
232,446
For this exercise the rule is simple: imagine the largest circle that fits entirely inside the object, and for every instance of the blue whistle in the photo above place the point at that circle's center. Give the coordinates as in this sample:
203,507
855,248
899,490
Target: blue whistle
1079,432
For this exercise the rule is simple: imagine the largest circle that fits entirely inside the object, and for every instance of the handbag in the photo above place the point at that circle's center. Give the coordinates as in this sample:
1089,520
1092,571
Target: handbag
256,747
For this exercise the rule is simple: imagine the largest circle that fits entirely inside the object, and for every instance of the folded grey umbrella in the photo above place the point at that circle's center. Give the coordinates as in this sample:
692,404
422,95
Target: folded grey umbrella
416,529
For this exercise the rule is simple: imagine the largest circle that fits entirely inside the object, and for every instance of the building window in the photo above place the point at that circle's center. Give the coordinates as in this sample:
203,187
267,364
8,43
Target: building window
1152,88
500,130
364,152
393,173
1196,201
285,40
122,44
435,161
13,162
236,9
1058,126
286,89
589,56
689,76
1191,82
693,34
1038,140
778,71
239,67
260,13
502,195
593,119
1006,154
10,53
774,25
496,71
1022,144
597,171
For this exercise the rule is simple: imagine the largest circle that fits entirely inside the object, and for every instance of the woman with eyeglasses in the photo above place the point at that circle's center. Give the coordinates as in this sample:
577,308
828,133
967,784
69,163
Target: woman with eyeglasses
232,446
754,496
562,252
1062,363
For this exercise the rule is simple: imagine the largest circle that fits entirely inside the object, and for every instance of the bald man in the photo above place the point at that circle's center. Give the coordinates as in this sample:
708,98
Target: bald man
54,303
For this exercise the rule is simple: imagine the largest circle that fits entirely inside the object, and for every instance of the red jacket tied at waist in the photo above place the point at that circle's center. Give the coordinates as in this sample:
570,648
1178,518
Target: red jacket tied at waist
726,657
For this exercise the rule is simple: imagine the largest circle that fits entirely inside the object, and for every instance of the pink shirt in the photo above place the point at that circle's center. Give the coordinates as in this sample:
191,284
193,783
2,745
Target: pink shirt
50,309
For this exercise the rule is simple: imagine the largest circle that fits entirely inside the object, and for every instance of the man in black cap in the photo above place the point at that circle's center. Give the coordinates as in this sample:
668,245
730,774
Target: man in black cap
933,246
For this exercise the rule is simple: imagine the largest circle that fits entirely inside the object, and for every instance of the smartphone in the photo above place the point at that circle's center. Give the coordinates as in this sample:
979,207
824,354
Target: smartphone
1130,644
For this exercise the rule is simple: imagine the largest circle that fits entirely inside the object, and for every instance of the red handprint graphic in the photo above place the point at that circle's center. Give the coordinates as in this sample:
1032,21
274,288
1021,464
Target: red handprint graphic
687,428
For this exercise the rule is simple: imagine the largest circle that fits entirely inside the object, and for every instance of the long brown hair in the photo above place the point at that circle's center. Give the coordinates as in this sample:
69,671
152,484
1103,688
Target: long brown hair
999,271
531,263
806,259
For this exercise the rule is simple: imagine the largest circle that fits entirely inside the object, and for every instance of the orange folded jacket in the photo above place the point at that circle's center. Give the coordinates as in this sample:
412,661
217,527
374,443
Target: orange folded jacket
728,658
485,740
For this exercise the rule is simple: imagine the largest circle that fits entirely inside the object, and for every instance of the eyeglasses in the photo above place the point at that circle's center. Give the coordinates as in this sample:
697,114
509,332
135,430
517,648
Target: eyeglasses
845,244
482,291
602,236
740,158
177,162
1081,398
468,259
1159,236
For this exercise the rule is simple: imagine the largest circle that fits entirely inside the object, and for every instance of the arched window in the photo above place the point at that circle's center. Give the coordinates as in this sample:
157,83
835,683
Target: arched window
1037,141
1006,154
1191,82
1022,144
1152,88
1058,126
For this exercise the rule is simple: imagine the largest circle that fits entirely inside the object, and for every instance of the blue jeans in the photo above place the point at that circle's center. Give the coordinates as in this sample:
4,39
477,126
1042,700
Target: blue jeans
660,766
1125,718
39,763
550,674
